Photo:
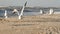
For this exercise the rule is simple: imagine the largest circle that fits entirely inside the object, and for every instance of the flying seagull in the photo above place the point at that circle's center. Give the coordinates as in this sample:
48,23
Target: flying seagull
20,15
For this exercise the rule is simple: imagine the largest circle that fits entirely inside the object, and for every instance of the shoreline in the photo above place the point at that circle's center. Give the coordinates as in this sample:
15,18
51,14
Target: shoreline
32,18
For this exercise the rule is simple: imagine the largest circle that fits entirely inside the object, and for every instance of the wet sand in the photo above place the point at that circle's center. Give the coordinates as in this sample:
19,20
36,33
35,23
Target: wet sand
41,24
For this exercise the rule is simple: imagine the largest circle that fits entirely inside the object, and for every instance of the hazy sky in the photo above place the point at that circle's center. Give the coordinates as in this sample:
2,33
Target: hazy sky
42,3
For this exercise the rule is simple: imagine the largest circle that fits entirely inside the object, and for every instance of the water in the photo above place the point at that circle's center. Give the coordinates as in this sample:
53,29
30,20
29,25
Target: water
29,12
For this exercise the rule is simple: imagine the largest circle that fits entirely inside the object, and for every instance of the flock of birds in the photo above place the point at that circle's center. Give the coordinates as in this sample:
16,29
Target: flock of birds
15,11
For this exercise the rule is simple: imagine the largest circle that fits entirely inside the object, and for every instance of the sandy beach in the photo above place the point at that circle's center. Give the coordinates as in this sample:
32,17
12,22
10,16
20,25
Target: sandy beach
40,24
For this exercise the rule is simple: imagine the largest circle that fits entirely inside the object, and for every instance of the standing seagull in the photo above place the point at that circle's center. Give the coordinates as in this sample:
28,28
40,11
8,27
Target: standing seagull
20,15
5,14
41,12
51,11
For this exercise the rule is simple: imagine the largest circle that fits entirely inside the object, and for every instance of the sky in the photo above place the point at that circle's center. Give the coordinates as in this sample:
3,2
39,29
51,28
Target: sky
41,3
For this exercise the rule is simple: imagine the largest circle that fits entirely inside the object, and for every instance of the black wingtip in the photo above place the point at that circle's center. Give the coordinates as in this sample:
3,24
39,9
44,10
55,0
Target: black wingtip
25,3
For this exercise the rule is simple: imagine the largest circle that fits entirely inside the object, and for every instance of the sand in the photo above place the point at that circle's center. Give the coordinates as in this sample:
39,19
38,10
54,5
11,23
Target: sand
40,24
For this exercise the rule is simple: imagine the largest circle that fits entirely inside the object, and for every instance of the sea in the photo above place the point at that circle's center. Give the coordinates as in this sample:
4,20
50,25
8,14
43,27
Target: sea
28,12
